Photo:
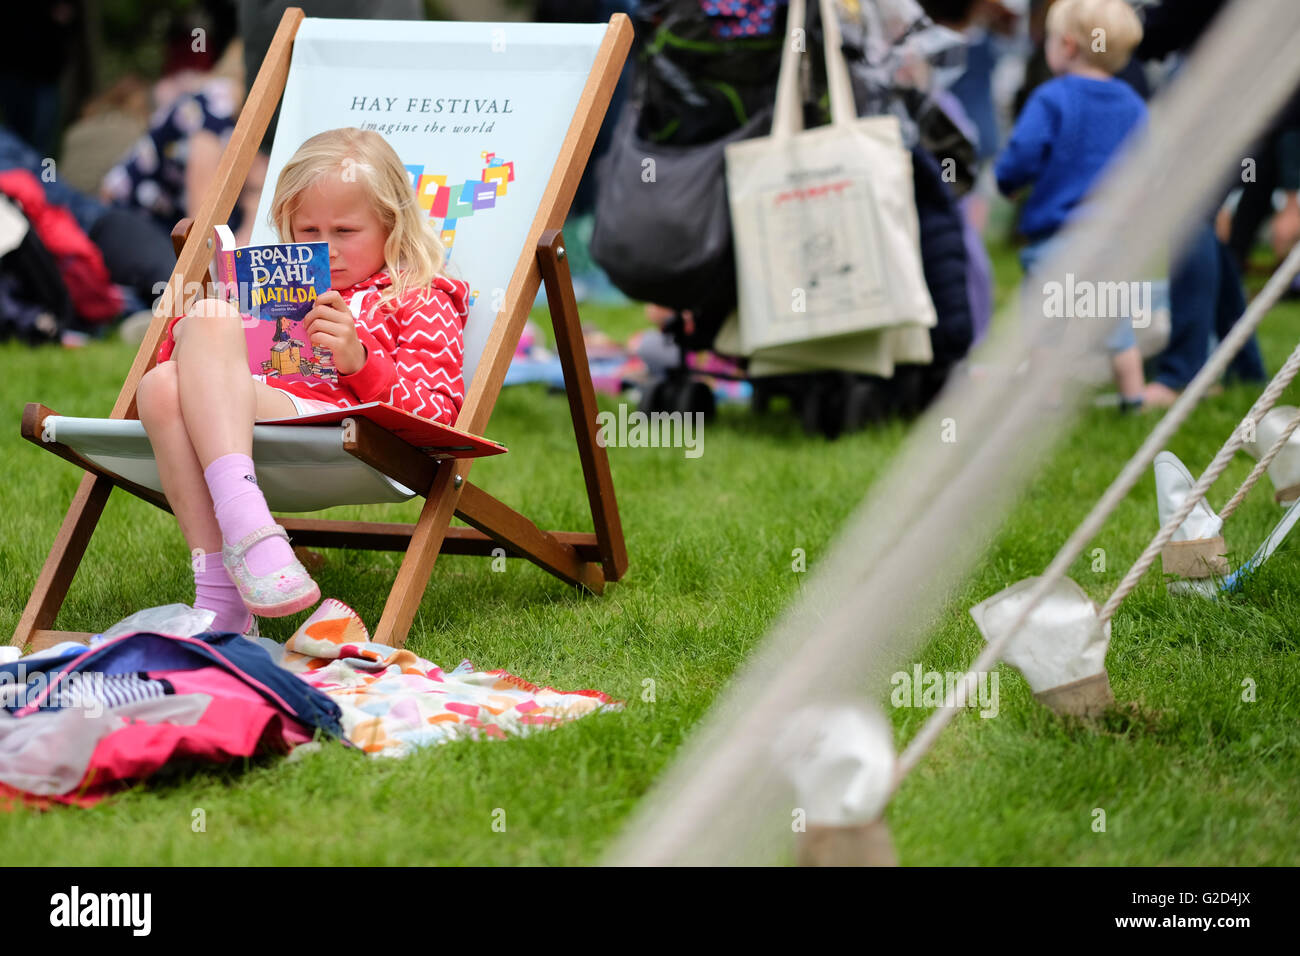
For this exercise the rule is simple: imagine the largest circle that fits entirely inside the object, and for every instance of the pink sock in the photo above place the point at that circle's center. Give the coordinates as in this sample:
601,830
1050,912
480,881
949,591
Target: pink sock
214,591
241,509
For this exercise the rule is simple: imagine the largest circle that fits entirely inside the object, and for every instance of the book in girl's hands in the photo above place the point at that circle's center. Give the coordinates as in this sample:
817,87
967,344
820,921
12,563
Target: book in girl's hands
275,286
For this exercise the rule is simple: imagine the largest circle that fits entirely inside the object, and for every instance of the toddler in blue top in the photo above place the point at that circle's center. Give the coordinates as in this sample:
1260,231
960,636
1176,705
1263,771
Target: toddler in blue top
1070,129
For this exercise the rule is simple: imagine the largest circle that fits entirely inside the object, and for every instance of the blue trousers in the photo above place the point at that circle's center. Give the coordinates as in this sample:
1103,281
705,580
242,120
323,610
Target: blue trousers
1205,297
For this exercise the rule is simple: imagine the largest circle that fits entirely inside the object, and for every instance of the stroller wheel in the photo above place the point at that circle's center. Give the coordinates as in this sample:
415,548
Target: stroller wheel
655,398
691,396
910,389
810,409
837,415
826,409
863,404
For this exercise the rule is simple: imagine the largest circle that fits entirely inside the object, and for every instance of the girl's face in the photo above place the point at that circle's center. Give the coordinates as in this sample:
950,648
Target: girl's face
341,214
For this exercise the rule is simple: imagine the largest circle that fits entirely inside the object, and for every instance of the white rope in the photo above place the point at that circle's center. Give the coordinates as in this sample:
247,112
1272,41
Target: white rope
1129,475
875,595
1254,314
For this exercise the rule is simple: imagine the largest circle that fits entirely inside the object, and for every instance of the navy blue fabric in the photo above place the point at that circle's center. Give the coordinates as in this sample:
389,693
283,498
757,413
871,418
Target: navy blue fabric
51,664
1070,129
943,254
974,89
1205,297
17,154
157,652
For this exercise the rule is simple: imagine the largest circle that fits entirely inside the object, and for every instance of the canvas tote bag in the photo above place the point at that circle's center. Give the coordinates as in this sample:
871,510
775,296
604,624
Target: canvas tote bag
825,224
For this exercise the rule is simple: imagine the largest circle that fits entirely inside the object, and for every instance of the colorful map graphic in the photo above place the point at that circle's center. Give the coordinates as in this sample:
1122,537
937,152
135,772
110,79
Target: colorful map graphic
455,202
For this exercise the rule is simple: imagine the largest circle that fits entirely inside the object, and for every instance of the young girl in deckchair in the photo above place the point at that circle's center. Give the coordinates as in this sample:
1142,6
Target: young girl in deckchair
393,322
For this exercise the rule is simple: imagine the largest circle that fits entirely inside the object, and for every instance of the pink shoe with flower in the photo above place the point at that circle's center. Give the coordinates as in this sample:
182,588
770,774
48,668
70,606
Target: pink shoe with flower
283,591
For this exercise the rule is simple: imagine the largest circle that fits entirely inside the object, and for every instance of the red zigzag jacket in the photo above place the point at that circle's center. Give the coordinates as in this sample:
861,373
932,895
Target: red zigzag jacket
414,350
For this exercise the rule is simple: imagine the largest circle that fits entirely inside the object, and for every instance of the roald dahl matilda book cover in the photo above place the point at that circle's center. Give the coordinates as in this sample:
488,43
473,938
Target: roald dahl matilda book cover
275,286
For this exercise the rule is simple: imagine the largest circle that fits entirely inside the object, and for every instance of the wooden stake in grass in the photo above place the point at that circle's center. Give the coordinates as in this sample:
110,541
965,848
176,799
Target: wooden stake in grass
1087,698
865,844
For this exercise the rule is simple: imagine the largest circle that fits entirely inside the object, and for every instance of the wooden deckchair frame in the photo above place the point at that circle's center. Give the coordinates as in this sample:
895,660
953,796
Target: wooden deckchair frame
584,559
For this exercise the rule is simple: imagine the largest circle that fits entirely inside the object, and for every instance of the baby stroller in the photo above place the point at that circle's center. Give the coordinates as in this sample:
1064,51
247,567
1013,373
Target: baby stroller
696,92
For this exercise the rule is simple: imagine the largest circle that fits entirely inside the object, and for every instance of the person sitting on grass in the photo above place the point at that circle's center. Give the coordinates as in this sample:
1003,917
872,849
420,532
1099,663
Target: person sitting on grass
1070,129
393,322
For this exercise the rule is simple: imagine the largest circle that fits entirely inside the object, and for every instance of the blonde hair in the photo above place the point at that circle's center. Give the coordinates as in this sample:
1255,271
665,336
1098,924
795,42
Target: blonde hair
1111,25
413,252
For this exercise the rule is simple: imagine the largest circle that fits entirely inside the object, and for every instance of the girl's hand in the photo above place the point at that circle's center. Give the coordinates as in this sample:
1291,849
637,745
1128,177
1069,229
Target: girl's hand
332,325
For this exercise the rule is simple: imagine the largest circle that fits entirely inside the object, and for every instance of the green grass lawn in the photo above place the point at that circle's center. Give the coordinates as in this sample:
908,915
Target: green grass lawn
1188,772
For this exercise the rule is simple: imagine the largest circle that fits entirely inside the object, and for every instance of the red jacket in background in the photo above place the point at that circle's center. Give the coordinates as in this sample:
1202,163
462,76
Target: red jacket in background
93,294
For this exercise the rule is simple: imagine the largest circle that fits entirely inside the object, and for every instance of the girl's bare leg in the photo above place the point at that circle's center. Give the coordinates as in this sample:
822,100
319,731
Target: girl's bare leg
197,409
158,401
1127,366
162,398
217,397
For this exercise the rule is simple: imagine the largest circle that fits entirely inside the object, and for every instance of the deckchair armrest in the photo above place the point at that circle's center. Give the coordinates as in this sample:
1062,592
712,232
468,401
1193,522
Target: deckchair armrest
180,233
389,455
34,415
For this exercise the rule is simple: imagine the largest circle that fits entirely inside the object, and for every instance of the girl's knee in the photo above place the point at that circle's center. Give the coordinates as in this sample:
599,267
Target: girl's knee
212,312
158,394
209,315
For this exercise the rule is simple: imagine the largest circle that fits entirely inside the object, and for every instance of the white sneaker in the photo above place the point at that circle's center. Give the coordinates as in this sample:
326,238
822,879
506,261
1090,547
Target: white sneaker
1173,484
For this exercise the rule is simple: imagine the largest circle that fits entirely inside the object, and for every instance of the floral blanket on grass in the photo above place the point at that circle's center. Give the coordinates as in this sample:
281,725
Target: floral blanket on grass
394,702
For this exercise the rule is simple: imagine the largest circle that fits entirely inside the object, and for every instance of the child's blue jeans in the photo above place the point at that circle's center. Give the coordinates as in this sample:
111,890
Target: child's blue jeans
1205,298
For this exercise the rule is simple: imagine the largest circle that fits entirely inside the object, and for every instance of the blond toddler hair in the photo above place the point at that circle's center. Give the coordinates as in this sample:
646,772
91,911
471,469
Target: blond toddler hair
1107,31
